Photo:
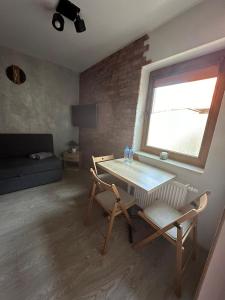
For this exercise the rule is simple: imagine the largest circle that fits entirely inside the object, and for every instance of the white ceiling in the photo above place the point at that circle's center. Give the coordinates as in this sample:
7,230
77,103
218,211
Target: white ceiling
25,25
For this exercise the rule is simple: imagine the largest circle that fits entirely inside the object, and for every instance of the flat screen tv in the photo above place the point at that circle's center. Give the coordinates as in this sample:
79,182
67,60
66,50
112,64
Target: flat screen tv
84,116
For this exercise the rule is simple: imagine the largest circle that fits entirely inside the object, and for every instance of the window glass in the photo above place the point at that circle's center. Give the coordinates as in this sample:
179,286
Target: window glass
179,116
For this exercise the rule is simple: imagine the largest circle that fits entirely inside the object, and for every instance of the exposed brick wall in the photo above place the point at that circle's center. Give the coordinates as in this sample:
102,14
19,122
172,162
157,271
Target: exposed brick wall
113,84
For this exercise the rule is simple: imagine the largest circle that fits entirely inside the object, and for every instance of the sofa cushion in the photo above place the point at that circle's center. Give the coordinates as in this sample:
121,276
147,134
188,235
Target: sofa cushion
14,167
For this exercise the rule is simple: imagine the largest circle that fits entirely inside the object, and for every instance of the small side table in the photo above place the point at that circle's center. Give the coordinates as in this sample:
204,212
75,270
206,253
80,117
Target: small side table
71,158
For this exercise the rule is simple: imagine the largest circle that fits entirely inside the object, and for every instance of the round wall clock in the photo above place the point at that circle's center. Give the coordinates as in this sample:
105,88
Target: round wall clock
15,74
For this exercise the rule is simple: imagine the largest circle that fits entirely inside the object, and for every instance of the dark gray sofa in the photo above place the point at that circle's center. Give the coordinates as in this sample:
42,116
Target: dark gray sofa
17,170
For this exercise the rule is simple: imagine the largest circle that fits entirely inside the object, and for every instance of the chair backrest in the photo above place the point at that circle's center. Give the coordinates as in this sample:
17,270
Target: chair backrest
199,205
105,185
99,159
201,202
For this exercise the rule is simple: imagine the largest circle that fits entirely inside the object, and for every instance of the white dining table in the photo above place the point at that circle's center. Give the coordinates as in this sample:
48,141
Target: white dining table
137,174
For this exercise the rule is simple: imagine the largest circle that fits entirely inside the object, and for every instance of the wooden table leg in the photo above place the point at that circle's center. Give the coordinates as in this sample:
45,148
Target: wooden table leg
133,213
130,234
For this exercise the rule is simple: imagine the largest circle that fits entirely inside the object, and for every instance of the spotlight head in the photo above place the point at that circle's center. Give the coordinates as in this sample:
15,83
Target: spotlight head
58,22
79,24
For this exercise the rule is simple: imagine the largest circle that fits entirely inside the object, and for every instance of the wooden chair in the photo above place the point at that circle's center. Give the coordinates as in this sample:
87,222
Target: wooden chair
108,178
104,176
175,226
113,200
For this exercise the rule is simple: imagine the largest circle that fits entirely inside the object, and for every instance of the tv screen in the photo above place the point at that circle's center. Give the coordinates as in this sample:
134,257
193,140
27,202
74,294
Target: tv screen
84,116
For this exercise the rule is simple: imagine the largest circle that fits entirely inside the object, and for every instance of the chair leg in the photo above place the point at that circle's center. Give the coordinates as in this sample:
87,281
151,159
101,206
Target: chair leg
90,204
109,232
195,244
130,225
124,210
130,234
179,262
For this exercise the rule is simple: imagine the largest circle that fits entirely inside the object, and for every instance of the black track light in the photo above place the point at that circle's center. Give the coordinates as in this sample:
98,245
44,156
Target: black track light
79,24
69,10
58,22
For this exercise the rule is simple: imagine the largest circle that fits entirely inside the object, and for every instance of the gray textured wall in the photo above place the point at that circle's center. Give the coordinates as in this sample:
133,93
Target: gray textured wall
42,103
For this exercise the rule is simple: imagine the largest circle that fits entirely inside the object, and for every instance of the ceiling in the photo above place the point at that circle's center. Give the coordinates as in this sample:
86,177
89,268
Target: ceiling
25,25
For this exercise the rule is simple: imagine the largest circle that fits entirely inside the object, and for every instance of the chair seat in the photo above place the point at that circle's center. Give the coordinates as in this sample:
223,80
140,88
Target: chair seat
161,214
107,199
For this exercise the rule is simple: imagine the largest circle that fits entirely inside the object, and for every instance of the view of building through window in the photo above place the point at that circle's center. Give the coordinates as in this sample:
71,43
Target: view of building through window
179,116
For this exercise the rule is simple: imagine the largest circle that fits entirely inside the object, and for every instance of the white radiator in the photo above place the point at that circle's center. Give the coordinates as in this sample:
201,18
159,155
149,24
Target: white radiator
173,193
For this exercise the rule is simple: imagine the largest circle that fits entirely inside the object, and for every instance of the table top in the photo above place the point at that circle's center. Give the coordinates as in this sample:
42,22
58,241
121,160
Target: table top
137,174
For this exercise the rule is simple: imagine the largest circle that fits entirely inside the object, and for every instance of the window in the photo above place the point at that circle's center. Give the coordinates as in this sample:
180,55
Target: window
182,108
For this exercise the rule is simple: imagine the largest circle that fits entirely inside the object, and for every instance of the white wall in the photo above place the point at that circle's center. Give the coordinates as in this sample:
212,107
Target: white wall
202,24
213,286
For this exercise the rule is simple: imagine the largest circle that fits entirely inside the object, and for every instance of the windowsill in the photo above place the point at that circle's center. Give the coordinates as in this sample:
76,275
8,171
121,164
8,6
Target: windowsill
171,162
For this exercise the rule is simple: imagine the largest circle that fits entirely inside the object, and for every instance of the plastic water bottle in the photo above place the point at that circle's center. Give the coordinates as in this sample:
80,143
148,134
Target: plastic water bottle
126,154
131,154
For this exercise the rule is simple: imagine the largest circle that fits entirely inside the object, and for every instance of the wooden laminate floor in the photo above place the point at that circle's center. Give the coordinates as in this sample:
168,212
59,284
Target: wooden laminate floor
47,253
